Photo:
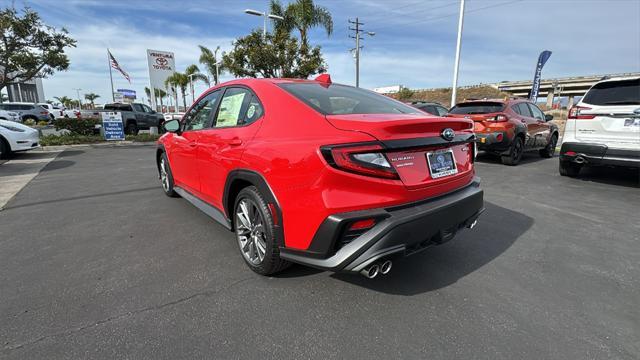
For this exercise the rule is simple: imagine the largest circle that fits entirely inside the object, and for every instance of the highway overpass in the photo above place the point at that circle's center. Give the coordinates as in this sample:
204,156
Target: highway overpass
567,87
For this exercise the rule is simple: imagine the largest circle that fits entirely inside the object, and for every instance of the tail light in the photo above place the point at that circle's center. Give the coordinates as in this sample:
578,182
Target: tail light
574,113
360,159
501,118
44,113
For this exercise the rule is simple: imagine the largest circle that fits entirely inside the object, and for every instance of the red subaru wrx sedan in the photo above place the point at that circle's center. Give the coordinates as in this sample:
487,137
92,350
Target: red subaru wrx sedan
322,174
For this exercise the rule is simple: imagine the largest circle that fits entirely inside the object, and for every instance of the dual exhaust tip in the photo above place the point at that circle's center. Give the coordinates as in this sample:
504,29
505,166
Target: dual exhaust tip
375,269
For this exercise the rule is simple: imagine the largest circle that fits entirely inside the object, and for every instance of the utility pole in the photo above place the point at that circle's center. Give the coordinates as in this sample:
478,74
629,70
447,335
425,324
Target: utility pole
457,62
356,51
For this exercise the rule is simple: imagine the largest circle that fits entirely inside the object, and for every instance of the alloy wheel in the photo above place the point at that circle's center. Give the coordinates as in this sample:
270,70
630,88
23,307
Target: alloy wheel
517,151
250,232
164,177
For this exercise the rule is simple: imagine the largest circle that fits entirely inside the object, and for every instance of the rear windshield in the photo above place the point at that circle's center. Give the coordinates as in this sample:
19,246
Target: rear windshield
483,107
623,92
120,107
341,99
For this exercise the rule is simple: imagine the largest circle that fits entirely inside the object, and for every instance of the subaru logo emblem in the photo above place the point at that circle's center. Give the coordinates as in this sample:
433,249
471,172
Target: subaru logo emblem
448,134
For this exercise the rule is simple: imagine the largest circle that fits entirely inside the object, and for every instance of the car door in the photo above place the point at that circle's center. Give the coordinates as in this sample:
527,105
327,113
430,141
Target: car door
184,145
221,146
141,115
542,129
526,117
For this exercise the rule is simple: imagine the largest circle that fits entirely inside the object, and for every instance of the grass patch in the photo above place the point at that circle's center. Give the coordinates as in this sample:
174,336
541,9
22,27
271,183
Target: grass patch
75,139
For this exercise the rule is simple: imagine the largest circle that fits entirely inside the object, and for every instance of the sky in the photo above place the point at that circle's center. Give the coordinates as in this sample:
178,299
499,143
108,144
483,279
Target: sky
414,41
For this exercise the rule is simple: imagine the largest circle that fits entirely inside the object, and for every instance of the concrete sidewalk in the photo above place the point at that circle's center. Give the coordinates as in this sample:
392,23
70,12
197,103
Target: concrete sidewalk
16,173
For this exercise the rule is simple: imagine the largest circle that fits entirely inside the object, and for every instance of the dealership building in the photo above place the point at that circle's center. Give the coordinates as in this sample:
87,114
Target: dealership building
27,91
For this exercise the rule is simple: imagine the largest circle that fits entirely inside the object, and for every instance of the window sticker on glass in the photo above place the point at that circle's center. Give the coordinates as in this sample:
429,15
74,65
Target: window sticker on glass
251,111
230,110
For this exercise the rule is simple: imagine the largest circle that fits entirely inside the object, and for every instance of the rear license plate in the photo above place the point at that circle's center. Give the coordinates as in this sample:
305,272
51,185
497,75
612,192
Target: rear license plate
632,122
441,163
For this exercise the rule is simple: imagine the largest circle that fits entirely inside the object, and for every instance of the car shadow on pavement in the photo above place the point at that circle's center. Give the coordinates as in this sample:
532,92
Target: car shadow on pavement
619,176
441,266
527,158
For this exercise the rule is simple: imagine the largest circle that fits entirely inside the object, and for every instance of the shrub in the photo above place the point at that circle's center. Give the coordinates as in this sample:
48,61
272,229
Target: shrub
29,122
83,126
69,139
43,123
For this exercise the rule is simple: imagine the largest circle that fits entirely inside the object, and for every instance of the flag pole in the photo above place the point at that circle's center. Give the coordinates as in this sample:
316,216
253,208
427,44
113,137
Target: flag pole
113,97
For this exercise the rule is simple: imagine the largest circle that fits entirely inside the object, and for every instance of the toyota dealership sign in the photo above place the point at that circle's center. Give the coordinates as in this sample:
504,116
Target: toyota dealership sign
161,65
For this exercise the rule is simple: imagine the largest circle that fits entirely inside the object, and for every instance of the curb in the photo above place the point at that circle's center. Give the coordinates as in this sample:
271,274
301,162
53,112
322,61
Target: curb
97,145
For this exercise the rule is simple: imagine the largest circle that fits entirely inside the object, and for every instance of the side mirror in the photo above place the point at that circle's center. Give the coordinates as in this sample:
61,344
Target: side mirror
172,126
548,117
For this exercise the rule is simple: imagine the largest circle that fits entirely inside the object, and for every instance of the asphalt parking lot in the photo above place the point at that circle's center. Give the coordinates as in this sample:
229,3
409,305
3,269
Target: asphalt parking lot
95,262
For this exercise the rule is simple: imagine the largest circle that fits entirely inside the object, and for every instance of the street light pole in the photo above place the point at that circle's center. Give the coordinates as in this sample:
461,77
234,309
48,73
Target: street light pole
265,15
457,61
79,103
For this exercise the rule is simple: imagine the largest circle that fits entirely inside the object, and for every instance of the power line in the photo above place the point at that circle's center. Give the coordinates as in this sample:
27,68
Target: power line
414,11
448,15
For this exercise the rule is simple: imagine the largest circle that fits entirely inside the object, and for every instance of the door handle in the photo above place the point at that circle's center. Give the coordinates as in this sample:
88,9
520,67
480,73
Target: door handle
235,142
193,144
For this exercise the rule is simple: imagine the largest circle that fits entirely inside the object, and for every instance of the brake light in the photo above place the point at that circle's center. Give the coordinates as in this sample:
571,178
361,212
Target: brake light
360,159
574,113
501,118
44,113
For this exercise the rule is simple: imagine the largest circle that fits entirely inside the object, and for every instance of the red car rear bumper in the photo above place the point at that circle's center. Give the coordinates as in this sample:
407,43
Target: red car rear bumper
398,231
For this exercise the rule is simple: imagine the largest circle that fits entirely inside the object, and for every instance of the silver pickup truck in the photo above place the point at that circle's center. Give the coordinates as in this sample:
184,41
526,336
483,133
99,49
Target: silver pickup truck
135,116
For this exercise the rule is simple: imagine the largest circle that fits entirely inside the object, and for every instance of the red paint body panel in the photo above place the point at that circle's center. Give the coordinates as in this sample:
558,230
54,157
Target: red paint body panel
284,147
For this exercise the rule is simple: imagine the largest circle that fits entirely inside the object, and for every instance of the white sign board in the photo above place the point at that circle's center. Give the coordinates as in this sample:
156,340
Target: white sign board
118,97
388,89
112,125
162,64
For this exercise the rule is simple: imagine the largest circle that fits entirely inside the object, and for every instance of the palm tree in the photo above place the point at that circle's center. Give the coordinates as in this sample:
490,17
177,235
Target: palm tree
194,74
209,59
64,100
178,81
91,97
158,93
301,15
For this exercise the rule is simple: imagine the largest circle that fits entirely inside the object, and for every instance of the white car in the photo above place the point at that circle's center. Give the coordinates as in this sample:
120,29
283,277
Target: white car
9,115
604,127
17,137
54,110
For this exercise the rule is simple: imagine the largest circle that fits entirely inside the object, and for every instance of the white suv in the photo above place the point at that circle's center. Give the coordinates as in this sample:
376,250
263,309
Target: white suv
604,127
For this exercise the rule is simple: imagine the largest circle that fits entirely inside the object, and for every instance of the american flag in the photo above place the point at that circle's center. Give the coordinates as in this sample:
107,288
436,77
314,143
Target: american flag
115,65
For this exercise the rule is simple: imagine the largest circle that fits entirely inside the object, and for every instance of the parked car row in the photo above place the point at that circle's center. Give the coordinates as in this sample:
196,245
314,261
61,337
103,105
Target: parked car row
343,179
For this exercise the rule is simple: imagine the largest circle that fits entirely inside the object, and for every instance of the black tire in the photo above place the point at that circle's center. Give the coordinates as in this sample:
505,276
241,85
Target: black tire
131,129
550,149
569,169
515,152
271,262
166,176
5,150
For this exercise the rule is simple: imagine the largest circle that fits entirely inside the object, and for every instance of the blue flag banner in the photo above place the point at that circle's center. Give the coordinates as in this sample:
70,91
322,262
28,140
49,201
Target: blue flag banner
542,59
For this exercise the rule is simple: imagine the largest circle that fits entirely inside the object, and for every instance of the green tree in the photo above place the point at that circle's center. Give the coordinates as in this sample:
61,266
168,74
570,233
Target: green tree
3,97
301,15
30,48
209,59
179,81
91,97
273,55
64,100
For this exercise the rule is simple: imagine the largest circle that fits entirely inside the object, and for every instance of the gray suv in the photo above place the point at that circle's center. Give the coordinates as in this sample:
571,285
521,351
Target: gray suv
27,111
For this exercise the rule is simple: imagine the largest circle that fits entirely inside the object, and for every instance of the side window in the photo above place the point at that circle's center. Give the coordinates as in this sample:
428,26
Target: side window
537,113
138,107
238,106
441,111
524,110
198,116
147,109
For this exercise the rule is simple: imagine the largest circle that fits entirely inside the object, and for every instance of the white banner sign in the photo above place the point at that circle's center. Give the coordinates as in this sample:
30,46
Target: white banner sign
161,65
